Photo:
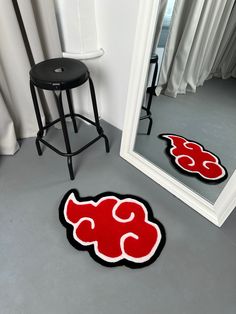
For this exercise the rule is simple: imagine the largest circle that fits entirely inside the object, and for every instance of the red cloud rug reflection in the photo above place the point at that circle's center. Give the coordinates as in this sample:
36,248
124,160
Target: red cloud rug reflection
115,229
192,158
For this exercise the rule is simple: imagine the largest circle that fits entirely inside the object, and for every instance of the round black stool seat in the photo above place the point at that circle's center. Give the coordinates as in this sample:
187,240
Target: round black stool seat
59,74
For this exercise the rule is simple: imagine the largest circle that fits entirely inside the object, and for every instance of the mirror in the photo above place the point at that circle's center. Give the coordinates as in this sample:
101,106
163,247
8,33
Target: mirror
183,130
204,115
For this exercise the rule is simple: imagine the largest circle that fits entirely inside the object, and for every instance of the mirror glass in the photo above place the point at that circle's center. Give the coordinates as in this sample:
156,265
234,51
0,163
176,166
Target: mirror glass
187,124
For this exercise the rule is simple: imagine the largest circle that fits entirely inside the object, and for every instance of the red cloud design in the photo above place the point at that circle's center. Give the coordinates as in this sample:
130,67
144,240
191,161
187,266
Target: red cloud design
115,229
192,157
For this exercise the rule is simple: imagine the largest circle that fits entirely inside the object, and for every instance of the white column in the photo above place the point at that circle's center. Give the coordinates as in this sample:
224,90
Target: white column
78,33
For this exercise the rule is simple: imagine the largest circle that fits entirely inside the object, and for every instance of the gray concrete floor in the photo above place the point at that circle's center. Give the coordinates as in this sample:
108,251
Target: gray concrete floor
208,117
40,272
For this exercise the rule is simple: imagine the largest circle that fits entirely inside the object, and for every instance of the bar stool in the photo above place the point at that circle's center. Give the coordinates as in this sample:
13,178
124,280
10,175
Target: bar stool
58,75
151,92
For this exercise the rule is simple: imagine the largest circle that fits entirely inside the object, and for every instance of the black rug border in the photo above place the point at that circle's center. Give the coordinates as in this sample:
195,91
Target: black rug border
185,172
90,248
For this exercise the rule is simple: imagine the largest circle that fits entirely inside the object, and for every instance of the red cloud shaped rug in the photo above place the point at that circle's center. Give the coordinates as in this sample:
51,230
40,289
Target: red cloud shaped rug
115,229
192,158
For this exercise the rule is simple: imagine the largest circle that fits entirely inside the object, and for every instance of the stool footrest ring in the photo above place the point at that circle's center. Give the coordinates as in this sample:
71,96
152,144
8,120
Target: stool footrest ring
49,124
73,153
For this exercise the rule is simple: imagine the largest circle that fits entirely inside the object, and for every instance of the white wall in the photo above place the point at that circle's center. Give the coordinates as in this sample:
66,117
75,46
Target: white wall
77,25
116,23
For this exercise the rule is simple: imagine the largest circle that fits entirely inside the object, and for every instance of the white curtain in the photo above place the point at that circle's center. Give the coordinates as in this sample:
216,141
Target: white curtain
17,117
201,38
225,63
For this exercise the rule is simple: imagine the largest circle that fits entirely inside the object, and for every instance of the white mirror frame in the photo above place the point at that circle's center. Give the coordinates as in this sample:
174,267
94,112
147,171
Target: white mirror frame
145,30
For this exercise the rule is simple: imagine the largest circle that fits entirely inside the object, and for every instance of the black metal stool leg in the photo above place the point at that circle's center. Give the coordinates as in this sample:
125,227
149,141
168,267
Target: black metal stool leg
70,167
149,126
38,117
71,108
152,93
149,114
95,110
60,109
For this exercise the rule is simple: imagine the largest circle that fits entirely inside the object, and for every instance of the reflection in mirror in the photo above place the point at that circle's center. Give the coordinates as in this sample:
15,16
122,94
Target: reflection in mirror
187,122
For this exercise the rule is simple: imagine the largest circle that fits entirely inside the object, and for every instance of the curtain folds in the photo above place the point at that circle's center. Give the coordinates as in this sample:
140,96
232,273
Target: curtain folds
17,118
201,44
225,63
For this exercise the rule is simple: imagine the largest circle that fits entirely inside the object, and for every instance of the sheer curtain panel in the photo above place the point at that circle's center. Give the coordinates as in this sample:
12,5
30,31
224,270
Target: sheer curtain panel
17,117
201,42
